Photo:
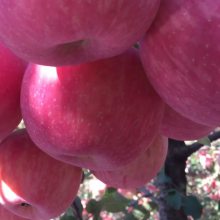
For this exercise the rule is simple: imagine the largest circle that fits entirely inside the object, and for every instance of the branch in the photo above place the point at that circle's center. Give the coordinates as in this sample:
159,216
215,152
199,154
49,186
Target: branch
196,146
76,210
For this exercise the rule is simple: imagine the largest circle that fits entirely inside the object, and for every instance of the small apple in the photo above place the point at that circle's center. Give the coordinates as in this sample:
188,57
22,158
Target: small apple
181,53
178,127
12,70
34,185
55,32
7,215
97,115
141,170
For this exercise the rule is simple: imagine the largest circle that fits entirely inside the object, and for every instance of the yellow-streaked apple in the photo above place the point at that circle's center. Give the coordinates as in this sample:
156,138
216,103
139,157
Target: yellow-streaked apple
12,70
141,170
55,32
181,53
34,185
178,127
98,115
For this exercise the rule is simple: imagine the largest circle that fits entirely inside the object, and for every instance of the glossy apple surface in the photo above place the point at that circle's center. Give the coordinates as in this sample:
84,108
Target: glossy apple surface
178,127
12,70
181,56
34,185
55,32
139,171
97,115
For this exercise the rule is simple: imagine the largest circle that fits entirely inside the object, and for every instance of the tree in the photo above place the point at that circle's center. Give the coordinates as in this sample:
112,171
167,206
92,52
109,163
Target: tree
120,74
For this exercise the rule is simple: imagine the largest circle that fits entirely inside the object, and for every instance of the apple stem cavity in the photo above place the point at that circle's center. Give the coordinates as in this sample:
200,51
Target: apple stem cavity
24,204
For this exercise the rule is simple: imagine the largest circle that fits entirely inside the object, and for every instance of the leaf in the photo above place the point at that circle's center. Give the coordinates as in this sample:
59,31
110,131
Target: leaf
94,207
113,201
140,212
162,178
130,216
110,190
205,141
174,199
153,205
192,206
68,215
69,211
141,208
78,205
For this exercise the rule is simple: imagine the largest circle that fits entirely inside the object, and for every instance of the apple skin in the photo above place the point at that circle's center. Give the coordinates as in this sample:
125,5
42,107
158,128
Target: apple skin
55,32
98,115
178,127
181,58
7,215
34,185
12,70
139,171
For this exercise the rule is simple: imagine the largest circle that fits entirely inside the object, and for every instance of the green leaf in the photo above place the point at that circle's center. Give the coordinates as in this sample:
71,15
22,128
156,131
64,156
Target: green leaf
69,211
94,207
141,208
218,205
174,199
78,204
113,201
110,190
68,215
141,213
153,205
162,178
138,214
192,206
205,141
130,216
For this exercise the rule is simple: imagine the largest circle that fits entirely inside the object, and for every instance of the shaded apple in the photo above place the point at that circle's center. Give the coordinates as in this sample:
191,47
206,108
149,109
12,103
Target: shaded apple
12,70
178,127
55,32
141,170
180,54
7,215
34,185
98,115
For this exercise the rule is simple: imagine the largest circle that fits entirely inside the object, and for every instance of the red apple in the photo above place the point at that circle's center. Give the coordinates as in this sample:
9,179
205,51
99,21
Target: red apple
12,70
178,127
181,54
34,185
97,115
55,32
7,215
139,171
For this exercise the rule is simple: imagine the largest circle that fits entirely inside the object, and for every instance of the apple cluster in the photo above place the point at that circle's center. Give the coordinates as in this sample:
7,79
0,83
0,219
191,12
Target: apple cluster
100,85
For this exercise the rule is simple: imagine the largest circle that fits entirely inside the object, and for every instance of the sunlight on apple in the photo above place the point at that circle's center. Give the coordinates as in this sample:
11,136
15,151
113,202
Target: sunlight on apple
49,73
7,194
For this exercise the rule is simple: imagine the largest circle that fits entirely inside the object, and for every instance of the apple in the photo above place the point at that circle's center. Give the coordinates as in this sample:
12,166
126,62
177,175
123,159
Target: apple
55,32
180,54
7,215
97,115
141,170
12,70
34,185
178,127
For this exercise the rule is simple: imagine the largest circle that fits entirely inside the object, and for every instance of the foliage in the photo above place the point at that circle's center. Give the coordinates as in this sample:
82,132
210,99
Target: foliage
97,201
204,180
